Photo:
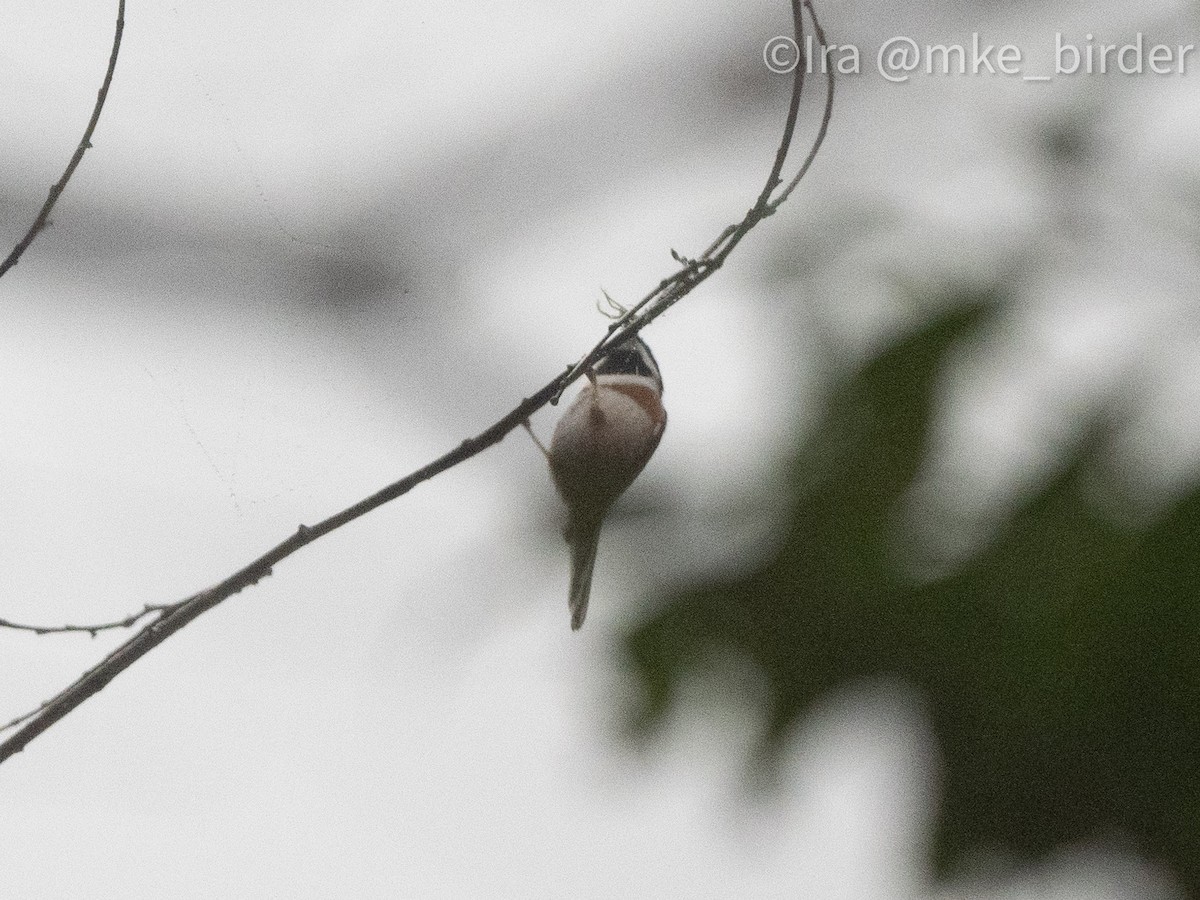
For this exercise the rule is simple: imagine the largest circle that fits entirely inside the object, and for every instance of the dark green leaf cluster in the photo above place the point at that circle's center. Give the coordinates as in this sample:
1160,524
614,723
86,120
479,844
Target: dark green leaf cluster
1059,665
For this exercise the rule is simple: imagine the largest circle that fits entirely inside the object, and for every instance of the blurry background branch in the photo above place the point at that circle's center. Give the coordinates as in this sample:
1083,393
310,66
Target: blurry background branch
171,618
85,144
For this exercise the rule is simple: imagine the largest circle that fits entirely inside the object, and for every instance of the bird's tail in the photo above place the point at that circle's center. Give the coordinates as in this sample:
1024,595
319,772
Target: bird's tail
584,539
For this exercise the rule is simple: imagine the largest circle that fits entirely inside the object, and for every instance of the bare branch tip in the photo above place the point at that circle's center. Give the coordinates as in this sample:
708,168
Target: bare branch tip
85,143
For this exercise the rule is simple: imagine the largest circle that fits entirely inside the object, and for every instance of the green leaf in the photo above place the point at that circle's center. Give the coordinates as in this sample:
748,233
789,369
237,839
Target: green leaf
1060,664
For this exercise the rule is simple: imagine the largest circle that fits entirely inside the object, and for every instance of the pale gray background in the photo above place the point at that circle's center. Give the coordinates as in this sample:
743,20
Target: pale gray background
317,245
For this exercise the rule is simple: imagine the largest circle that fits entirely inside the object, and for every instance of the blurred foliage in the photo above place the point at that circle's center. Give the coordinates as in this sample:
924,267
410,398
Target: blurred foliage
1060,665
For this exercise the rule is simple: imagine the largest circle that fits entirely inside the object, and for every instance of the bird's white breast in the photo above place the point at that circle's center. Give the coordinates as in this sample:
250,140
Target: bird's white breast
608,425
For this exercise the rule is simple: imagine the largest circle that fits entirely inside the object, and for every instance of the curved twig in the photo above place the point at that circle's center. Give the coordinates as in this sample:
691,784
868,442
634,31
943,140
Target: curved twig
669,291
822,130
85,144
673,288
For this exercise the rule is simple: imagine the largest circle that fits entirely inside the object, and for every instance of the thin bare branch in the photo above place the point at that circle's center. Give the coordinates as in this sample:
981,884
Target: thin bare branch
789,125
23,718
127,622
668,292
825,117
85,144
694,271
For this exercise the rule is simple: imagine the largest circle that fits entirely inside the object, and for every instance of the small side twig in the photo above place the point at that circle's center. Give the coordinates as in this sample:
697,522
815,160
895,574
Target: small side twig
668,292
128,622
85,144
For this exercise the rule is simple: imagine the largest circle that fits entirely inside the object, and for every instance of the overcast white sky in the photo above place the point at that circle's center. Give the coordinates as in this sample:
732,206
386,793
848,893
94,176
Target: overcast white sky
401,710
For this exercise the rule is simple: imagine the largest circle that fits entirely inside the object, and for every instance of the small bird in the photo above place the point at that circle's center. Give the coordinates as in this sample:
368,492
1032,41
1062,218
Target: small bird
603,440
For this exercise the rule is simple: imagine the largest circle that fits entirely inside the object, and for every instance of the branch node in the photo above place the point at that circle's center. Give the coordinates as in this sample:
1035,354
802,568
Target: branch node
254,578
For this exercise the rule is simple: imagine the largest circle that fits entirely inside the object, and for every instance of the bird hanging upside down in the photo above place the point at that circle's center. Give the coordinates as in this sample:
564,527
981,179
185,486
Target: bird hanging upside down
603,440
